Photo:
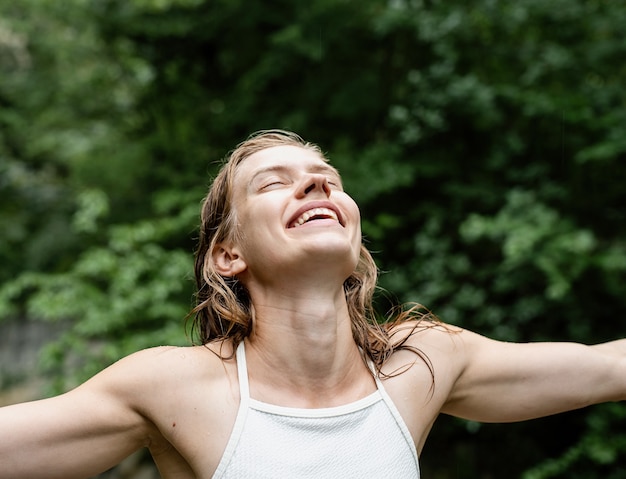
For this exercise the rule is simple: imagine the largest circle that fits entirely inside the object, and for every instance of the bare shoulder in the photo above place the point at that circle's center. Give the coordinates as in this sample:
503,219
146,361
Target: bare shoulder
165,370
184,393
172,362
193,393
446,350
428,337
156,384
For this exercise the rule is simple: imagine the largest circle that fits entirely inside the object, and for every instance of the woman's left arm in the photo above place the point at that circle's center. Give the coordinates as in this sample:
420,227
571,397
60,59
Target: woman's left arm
506,382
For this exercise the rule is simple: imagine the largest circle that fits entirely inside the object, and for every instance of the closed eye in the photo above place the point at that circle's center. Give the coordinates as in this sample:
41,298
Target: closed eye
334,183
272,184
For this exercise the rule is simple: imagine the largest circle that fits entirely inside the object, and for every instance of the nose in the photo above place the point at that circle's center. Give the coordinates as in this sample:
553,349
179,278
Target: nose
314,183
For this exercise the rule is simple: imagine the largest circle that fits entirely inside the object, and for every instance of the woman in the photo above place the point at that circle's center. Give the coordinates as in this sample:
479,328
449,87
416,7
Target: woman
293,377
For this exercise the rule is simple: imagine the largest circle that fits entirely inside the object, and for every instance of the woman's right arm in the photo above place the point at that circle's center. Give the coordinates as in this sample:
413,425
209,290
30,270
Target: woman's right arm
80,433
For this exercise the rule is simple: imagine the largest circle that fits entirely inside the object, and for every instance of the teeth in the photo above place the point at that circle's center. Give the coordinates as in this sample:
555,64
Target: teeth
307,215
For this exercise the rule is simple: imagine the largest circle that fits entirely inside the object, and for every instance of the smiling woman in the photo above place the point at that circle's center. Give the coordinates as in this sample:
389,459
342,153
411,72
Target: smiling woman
292,374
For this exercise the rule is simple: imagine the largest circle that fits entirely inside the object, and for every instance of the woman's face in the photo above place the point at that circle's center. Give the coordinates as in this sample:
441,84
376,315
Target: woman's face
293,216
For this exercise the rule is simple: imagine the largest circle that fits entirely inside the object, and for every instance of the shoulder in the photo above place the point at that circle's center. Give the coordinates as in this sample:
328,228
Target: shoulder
159,373
455,359
426,335
164,358
429,352
180,362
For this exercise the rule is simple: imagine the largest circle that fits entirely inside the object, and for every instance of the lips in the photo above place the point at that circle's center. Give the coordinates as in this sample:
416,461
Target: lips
311,212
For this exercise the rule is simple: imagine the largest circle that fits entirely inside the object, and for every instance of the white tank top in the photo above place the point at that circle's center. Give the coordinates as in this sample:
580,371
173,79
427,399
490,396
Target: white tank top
363,439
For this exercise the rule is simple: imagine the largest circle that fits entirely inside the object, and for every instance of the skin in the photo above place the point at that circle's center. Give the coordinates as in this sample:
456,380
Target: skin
181,403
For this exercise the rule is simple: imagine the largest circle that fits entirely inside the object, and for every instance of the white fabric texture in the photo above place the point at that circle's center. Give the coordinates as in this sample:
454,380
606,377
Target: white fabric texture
363,439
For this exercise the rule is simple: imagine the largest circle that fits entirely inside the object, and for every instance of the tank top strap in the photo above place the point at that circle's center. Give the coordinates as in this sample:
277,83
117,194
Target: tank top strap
242,413
396,414
242,373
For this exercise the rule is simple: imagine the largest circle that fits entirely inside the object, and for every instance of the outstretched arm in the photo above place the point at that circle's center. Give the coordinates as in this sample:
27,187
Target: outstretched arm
505,382
76,435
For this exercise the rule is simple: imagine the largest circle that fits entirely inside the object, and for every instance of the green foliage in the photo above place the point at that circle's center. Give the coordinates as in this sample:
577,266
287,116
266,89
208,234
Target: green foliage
529,231
483,141
130,293
595,455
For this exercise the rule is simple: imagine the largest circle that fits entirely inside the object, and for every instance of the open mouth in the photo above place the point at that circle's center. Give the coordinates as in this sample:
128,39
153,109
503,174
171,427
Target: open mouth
313,215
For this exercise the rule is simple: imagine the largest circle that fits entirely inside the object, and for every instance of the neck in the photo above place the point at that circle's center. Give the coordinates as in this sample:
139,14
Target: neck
301,351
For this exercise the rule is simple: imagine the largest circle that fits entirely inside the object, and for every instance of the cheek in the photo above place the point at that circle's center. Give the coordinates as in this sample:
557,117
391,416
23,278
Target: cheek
350,205
254,230
355,214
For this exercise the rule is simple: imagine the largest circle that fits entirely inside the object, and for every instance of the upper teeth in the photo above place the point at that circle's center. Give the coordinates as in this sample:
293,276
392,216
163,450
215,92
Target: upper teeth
307,215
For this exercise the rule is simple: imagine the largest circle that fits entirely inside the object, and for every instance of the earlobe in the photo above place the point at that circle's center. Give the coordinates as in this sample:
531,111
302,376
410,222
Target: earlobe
228,262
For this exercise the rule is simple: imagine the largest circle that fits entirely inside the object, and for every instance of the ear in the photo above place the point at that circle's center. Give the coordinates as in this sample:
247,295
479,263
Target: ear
228,261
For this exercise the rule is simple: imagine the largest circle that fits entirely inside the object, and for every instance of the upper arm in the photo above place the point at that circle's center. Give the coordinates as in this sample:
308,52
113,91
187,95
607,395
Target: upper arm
82,432
503,382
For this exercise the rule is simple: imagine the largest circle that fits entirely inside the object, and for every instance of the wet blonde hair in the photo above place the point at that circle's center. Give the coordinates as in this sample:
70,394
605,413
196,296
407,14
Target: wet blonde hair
223,308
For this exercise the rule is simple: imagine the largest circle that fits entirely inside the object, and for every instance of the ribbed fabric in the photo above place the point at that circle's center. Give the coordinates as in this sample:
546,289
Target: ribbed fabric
363,439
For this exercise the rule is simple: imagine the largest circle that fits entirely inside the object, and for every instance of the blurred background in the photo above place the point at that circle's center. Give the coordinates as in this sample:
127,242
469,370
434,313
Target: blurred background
484,142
